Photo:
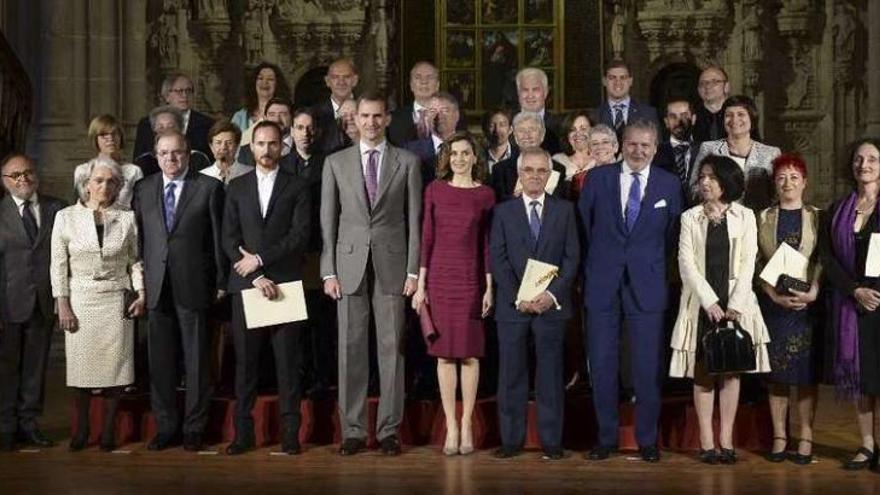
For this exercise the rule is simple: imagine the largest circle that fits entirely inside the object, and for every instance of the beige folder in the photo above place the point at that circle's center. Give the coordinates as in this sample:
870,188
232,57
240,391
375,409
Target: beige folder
536,278
786,260
290,306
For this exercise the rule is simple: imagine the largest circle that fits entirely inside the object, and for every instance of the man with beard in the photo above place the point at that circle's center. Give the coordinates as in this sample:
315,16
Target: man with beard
676,154
714,88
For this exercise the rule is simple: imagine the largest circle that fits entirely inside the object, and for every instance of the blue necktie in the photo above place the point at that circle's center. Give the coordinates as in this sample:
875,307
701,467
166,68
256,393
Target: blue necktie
169,205
633,202
618,116
534,221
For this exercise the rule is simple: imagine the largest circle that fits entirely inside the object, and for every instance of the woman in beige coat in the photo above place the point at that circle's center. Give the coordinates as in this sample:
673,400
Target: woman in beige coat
716,257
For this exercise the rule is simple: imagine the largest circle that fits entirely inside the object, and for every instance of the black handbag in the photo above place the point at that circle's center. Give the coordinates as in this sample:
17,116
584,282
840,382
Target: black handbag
128,298
728,348
785,284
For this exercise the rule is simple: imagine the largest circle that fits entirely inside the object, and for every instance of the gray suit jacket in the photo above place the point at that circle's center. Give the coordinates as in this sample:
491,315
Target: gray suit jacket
387,235
24,269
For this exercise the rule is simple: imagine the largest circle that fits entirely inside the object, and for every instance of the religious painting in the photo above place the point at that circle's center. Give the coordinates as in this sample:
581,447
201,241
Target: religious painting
460,49
463,85
500,64
499,11
460,12
539,11
538,45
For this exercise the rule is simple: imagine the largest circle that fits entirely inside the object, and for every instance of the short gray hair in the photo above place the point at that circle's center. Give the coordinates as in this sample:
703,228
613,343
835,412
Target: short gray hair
174,111
643,125
526,115
604,130
535,151
532,72
94,164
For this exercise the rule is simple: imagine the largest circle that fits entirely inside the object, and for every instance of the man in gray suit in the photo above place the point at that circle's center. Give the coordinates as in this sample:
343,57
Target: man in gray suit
26,305
371,199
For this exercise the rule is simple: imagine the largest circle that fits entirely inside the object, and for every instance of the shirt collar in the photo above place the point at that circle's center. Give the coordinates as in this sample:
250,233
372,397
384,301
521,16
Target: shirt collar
267,175
626,170
435,139
178,180
18,201
625,102
380,148
540,199
675,142
417,107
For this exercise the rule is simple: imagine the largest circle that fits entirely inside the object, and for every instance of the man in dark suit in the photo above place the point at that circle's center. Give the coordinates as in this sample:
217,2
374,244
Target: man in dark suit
528,132
532,88
413,122
178,91
280,111
540,227
676,153
27,309
266,228
341,79
630,216
714,88
167,118
179,215
620,108
444,115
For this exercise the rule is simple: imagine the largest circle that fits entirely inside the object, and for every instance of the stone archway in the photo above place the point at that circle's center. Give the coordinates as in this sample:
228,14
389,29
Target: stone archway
674,80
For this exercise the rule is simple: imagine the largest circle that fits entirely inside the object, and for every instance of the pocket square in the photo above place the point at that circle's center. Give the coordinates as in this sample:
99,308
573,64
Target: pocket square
660,204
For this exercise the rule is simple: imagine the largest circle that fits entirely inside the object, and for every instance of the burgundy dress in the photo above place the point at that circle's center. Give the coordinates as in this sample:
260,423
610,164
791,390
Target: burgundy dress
455,250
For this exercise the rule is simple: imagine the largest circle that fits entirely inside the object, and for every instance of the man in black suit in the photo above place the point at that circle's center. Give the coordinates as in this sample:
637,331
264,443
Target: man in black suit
266,226
444,115
280,111
620,108
167,118
341,79
413,122
528,132
179,219
678,151
178,91
714,88
532,87
27,309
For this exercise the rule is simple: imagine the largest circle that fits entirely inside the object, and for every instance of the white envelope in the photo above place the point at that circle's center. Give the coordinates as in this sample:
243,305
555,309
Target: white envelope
290,306
660,204
872,264
536,278
787,260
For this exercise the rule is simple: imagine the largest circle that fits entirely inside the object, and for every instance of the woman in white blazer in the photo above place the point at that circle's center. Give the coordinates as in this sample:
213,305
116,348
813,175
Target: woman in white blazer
717,250
743,146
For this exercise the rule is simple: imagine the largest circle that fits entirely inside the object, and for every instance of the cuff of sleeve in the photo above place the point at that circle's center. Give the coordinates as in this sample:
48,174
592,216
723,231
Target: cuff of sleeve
555,302
258,277
412,276
259,259
327,277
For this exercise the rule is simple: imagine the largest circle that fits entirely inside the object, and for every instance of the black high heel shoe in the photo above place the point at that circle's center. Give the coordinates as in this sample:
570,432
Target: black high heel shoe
79,441
727,456
108,442
870,460
708,456
803,459
778,456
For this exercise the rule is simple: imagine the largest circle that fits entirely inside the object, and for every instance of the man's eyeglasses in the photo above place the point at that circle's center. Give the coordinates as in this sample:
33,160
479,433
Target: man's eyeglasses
182,91
17,176
711,82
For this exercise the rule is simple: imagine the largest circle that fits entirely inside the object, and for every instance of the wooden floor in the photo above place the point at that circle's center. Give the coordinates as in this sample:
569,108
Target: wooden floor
424,470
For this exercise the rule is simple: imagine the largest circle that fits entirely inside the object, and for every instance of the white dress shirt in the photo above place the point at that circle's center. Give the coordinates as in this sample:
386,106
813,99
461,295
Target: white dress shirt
286,144
34,206
365,158
265,183
179,182
416,109
626,179
437,143
186,114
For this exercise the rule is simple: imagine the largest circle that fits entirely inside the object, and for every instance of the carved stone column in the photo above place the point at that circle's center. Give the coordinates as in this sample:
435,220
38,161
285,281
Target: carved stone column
136,97
872,122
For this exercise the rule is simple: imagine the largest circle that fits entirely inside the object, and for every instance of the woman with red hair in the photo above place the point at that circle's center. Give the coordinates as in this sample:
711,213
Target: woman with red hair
794,347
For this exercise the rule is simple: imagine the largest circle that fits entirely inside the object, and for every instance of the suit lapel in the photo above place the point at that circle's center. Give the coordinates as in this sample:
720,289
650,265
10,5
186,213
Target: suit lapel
13,218
159,194
390,164
356,176
648,200
45,220
281,181
548,222
614,187
189,186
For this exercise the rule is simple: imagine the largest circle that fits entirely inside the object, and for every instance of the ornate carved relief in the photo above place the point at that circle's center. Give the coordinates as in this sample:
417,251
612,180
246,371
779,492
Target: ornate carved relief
698,29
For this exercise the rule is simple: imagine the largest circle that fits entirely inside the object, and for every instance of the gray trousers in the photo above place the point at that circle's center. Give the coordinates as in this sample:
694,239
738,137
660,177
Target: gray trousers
354,312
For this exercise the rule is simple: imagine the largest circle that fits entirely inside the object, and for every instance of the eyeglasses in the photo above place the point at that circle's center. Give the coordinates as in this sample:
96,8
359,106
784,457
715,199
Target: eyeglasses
535,171
712,82
182,91
165,155
17,176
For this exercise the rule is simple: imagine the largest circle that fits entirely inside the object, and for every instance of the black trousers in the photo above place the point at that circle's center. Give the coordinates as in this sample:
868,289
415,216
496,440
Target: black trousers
24,353
287,349
173,328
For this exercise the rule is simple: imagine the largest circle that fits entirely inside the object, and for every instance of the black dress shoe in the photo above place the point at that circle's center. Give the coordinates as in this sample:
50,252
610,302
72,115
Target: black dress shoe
240,446
390,445
650,454
79,441
708,456
601,452
161,441
35,438
505,452
727,456
7,443
801,459
192,442
351,446
290,442
854,465
553,454
108,442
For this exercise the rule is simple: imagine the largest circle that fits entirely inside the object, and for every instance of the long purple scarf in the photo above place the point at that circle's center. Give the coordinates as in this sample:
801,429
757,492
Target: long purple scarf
846,359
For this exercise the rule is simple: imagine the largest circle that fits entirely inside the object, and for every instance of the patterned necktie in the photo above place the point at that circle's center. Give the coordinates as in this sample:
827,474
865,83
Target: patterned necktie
422,127
618,116
633,202
371,177
169,206
680,152
534,221
30,222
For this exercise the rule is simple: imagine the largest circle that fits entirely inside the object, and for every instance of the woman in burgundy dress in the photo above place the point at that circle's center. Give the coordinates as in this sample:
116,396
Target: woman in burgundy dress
455,279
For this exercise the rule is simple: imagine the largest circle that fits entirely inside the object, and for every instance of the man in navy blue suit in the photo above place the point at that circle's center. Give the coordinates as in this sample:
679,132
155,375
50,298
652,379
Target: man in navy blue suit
630,214
620,108
541,227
